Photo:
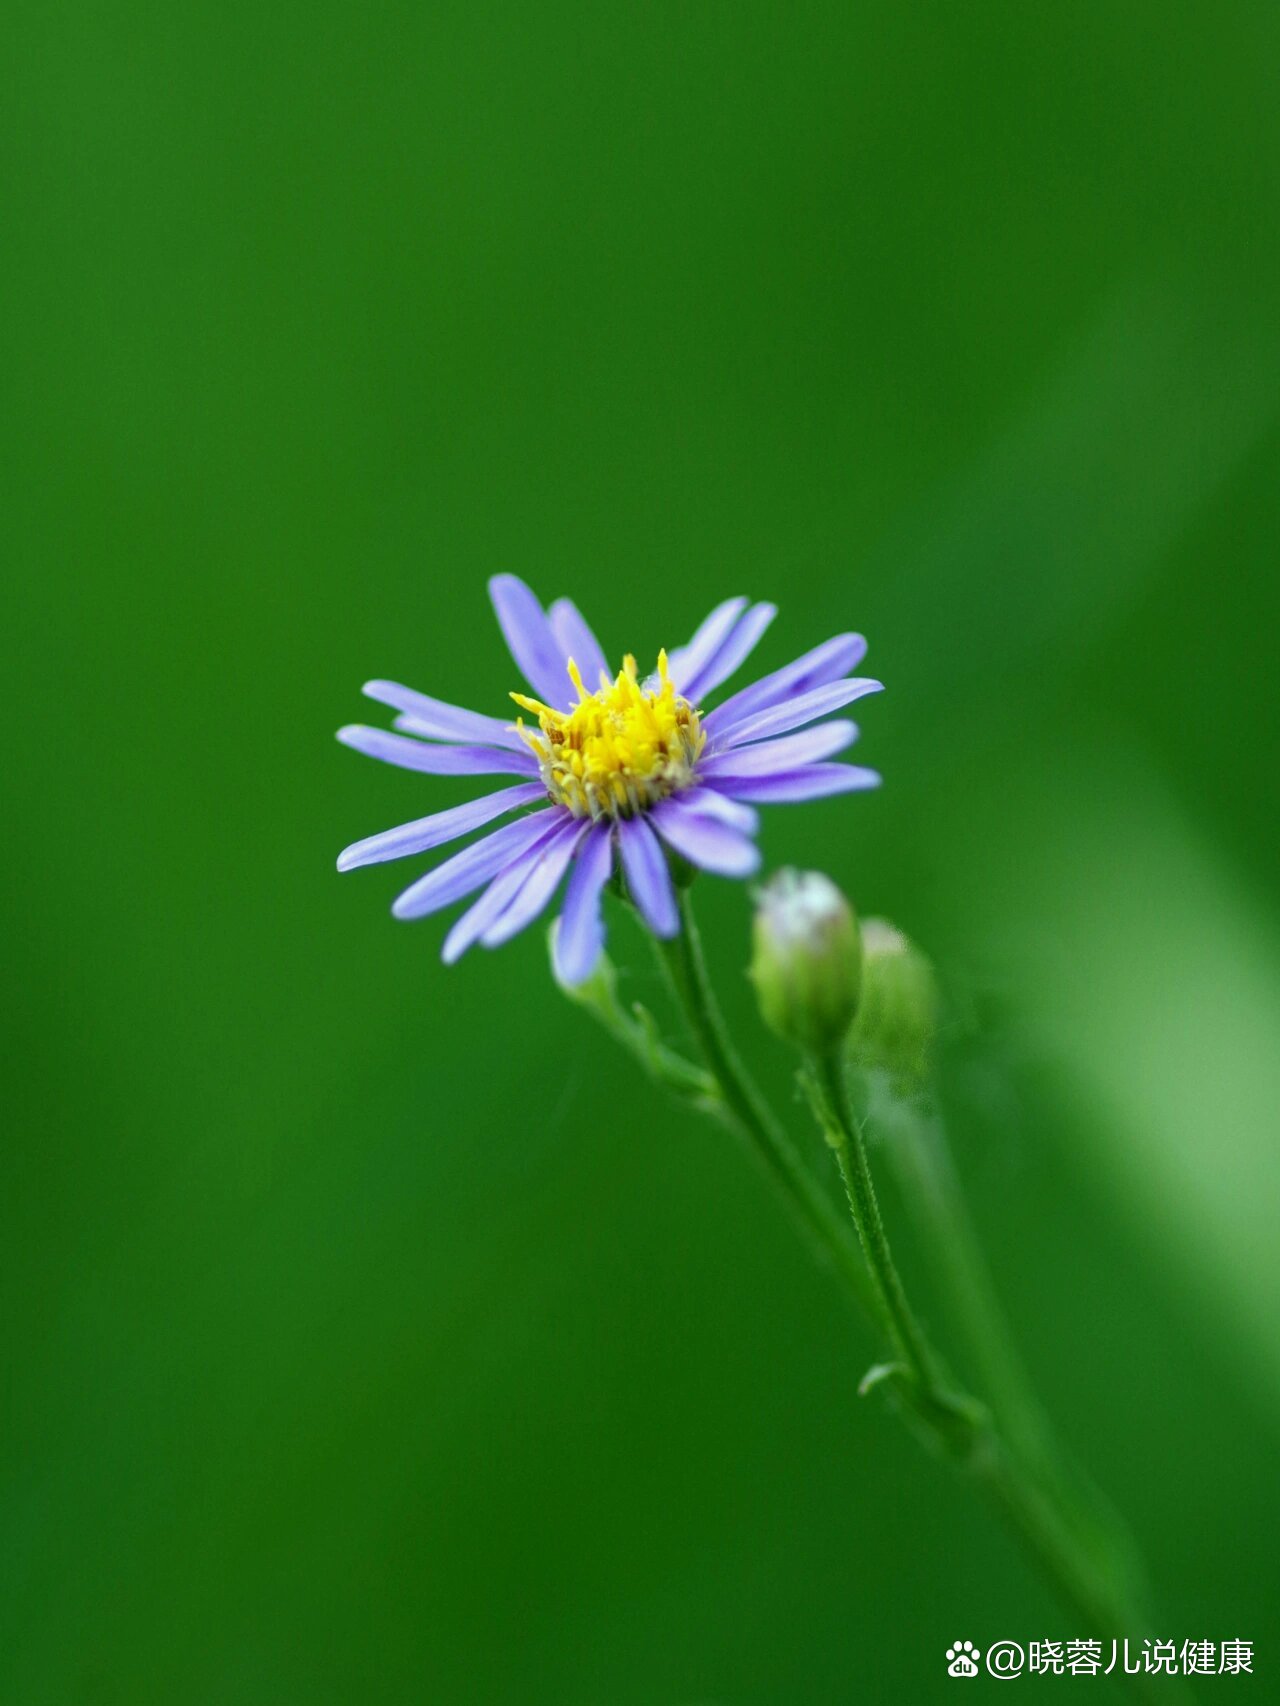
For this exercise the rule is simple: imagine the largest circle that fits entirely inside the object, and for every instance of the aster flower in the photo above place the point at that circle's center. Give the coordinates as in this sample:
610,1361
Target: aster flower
620,770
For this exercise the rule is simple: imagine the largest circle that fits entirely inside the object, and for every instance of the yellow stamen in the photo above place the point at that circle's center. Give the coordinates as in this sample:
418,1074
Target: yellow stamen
534,705
619,749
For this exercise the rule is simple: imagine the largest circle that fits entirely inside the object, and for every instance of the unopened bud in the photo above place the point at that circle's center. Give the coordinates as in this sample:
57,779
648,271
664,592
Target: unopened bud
898,1013
807,960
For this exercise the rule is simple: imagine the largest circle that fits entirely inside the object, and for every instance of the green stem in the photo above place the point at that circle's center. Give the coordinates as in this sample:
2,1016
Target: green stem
956,1424
1054,1545
844,1134
827,1231
916,1144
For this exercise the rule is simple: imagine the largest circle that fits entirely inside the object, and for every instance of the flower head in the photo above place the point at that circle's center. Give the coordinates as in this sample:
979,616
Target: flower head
616,773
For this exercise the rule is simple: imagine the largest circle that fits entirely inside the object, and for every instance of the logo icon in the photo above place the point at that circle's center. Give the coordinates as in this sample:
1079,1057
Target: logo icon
962,1659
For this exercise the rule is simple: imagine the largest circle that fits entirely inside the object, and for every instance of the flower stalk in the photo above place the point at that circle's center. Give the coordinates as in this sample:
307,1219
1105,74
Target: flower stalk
829,1095
826,1231
1028,1487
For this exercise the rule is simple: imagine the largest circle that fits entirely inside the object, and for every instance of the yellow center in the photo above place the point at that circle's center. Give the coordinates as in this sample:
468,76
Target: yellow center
619,749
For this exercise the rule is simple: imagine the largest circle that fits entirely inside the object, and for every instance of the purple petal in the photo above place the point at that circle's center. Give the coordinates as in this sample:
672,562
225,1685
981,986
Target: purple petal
704,840
807,747
530,640
580,936
553,860
489,908
686,661
732,653
710,804
435,720
827,662
466,871
508,887
792,713
437,760
648,878
807,782
434,831
576,641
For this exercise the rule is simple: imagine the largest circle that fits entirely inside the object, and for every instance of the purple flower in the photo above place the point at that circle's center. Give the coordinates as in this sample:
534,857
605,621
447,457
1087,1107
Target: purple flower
626,769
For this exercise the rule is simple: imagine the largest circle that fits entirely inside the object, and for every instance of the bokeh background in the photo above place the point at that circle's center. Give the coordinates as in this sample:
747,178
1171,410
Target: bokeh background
373,1333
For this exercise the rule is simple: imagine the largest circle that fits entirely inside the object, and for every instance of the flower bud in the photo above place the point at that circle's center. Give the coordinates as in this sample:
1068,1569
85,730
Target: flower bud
898,1013
807,960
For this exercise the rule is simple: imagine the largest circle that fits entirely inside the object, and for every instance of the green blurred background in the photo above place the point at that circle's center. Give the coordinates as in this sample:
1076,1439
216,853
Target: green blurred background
373,1333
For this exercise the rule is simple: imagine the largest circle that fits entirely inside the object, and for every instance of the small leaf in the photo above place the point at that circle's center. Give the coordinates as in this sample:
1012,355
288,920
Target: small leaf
886,1373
